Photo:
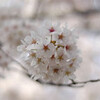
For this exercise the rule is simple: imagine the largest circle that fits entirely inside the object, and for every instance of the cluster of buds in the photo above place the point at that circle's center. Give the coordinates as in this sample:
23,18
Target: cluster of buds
51,53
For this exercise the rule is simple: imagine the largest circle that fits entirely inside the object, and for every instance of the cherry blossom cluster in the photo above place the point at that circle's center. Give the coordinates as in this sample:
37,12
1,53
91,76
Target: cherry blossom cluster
51,53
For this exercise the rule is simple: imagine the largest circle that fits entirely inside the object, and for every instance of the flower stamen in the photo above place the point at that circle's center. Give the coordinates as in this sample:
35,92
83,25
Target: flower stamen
71,65
55,70
67,47
53,57
33,54
60,36
39,60
53,42
68,73
60,57
45,47
33,41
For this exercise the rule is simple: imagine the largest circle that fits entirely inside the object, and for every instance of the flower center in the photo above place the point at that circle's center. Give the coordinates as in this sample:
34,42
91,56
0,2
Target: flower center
53,56
67,47
45,47
55,70
51,29
68,73
71,65
33,54
60,57
33,41
60,36
53,42
39,60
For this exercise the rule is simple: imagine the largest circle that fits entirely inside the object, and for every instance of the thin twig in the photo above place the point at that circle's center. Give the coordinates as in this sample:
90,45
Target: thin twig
75,84
60,85
88,81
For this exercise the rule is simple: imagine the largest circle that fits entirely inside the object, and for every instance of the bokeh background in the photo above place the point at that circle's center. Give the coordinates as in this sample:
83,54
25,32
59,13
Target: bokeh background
21,16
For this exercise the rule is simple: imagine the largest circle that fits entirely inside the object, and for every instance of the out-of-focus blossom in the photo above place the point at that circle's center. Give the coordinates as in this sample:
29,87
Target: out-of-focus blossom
13,31
11,8
4,60
51,53
17,9
13,88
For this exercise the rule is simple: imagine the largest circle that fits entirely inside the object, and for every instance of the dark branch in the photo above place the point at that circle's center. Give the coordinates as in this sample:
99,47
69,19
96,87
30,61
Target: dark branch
74,84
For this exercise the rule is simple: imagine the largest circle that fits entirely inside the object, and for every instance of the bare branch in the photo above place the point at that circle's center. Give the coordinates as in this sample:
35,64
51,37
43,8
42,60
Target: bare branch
74,84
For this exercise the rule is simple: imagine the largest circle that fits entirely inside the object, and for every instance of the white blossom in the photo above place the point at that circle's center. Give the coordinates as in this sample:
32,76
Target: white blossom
52,55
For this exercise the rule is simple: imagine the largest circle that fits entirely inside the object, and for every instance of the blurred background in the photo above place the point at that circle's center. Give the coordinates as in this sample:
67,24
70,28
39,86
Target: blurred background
18,17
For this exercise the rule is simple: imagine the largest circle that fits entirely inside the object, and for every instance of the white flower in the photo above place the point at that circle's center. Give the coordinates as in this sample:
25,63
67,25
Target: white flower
52,55
51,27
21,48
46,50
55,73
32,39
71,49
61,57
60,37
